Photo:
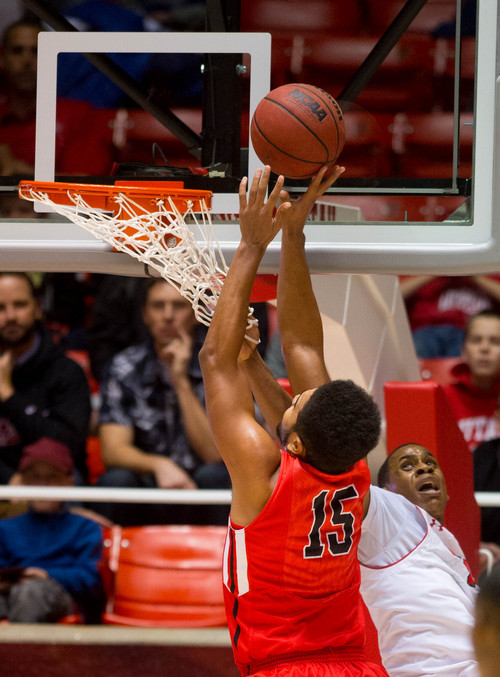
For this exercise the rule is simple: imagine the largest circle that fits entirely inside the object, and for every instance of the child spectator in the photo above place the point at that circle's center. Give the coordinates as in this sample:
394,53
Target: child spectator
475,388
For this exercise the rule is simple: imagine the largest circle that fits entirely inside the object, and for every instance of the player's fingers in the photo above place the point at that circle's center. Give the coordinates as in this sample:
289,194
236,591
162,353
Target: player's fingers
277,190
319,183
263,183
336,172
243,192
254,186
285,196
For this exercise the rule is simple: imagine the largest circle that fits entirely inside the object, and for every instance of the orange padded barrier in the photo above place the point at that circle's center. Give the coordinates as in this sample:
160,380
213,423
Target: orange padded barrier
419,412
164,576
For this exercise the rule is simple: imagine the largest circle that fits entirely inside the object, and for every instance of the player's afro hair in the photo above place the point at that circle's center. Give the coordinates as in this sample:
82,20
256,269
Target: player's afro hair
338,426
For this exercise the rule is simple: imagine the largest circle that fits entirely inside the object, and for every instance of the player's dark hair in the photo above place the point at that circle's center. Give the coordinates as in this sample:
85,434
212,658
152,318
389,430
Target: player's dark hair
338,426
482,313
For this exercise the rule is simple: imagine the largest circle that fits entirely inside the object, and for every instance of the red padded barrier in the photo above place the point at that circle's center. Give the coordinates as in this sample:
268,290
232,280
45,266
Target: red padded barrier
438,369
419,412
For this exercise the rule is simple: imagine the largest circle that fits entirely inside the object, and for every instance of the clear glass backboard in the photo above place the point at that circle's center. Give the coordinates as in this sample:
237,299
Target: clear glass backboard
418,195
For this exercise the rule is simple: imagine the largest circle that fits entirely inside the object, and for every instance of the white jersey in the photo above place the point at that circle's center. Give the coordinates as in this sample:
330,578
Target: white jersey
419,590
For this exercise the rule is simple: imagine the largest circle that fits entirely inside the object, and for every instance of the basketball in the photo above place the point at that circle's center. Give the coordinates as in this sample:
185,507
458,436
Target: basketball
296,129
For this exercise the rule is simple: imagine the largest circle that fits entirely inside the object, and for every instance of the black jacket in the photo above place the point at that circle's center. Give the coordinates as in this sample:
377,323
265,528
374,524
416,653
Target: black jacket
51,399
486,458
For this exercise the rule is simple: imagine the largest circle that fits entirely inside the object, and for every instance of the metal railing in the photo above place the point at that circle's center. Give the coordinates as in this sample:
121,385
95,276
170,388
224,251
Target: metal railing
115,495
485,499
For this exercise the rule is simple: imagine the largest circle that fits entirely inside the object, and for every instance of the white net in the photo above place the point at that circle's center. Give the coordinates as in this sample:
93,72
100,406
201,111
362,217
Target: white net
181,247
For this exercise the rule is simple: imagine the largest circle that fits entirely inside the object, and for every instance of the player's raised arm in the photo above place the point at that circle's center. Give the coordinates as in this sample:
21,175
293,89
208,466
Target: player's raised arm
299,319
248,451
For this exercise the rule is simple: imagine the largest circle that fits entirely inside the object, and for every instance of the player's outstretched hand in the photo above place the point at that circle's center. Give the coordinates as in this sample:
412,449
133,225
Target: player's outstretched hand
258,224
293,214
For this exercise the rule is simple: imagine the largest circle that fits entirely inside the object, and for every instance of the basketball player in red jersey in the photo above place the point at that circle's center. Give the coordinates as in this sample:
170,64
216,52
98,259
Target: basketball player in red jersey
291,574
415,580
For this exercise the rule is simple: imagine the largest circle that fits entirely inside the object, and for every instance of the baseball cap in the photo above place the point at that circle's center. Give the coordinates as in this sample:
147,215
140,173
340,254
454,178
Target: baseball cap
49,451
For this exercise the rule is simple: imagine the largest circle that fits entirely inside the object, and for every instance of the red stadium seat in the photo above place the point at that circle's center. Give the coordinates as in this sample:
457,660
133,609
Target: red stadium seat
423,144
367,148
444,73
82,358
403,81
164,576
330,16
135,132
95,464
433,13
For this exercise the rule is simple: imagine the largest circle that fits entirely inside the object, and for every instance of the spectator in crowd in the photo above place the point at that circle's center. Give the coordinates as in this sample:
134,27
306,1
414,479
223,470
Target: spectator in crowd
49,556
474,391
43,393
486,459
439,308
486,634
117,320
153,427
76,153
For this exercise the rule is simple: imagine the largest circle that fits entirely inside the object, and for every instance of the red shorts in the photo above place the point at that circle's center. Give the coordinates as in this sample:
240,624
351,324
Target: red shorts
318,664
312,669
340,669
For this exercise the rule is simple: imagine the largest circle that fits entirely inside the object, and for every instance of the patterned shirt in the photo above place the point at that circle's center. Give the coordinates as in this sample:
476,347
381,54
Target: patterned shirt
136,392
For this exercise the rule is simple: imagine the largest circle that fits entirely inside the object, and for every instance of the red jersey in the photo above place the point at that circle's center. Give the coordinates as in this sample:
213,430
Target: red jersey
473,408
448,300
83,138
291,578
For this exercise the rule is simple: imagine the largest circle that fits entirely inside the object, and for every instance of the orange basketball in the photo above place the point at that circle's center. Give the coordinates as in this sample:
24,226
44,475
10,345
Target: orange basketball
296,129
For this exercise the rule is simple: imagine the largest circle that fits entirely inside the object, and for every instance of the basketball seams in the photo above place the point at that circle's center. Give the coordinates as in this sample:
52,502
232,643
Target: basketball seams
297,119
293,157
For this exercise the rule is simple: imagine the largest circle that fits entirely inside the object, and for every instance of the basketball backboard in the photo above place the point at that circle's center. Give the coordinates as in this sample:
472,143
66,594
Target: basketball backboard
445,222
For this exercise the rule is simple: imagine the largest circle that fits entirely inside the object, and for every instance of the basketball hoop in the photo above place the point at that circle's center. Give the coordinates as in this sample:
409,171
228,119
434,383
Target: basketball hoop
161,223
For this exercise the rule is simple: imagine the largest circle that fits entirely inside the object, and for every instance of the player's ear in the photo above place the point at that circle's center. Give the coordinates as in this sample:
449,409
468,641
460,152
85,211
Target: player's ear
294,445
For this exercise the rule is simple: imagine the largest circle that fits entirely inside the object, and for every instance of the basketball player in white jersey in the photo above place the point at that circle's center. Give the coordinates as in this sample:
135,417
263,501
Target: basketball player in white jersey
417,582
414,577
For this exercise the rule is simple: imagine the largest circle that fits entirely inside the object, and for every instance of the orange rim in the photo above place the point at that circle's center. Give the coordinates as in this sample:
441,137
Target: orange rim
144,193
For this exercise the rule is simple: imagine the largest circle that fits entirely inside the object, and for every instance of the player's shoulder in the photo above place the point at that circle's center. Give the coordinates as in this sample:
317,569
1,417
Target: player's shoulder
389,500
